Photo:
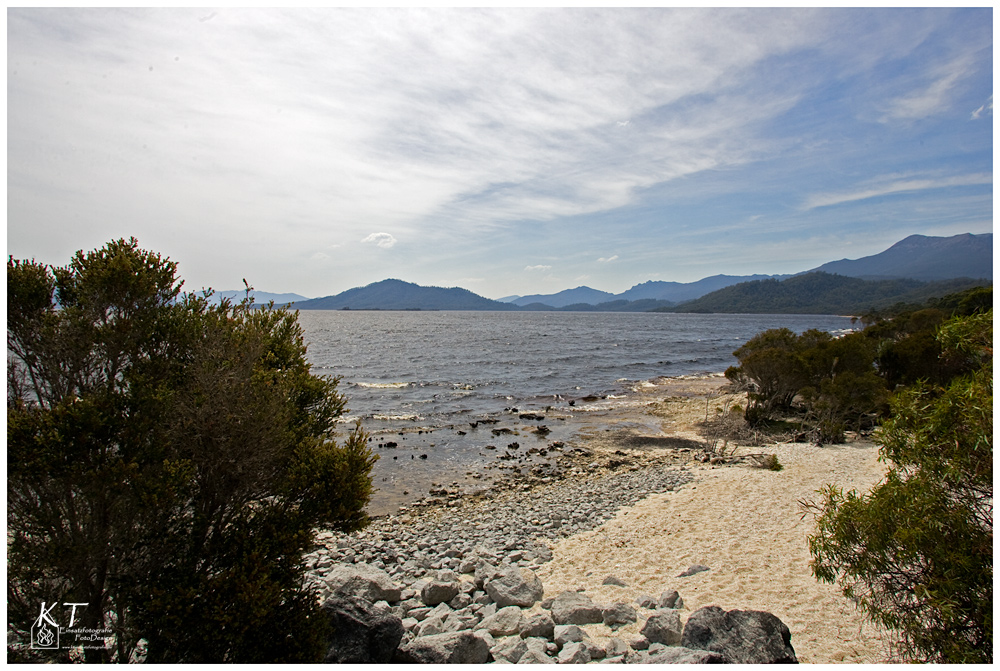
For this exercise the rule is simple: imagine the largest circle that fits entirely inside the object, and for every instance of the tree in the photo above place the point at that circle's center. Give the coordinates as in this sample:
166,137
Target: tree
916,552
168,461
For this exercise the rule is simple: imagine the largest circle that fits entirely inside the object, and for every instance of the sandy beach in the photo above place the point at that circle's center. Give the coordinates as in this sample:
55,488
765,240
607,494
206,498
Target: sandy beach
746,524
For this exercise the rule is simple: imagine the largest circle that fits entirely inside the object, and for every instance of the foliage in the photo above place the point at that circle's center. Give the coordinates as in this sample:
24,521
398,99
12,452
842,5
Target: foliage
833,378
167,462
916,552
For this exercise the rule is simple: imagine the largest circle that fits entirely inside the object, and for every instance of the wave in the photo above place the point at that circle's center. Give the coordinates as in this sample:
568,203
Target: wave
383,385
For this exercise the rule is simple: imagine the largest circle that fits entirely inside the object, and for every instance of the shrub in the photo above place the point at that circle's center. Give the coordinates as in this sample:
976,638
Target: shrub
167,462
916,552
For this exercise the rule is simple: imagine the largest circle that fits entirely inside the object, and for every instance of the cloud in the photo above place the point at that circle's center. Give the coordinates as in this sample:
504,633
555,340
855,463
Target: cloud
320,256
608,260
898,186
931,98
537,268
986,108
383,240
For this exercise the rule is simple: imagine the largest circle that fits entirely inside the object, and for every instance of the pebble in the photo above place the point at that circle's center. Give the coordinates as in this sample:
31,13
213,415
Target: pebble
419,542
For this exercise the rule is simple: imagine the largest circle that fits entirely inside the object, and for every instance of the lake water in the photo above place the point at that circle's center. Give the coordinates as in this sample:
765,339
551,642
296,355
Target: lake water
422,379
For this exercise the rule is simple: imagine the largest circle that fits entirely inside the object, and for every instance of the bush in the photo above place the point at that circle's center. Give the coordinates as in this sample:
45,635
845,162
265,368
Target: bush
916,552
167,462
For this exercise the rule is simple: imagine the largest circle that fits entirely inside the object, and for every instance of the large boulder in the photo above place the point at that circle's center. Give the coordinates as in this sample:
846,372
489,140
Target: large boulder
575,608
504,622
439,591
663,627
740,636
537,625
364,581
514,586
362,633
618,614
574,653
676,655
461,647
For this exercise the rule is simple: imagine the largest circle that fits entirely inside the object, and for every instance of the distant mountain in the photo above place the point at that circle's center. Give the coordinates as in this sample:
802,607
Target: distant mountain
821,293
259,297
567,297
508,299
922,257
399,295
676,292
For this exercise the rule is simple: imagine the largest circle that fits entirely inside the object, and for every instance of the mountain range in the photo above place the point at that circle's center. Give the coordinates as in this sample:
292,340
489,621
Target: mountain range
918,259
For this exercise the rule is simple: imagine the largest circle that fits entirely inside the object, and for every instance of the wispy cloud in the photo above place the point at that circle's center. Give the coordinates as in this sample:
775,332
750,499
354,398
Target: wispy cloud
931,97
537,268
608,259
984,109
383,240
892,187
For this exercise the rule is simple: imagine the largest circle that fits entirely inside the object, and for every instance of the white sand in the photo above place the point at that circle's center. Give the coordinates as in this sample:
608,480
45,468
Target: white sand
747,525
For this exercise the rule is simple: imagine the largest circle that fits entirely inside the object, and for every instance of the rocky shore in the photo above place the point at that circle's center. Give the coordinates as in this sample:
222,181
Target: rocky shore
456,583
648,551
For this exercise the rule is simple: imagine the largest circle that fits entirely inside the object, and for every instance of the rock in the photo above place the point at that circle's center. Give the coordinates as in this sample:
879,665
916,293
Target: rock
596,650
697,568
615,647
574,653
740,636
363,581
640,643
663,627
676,655
361,632
618,614
514,586
575,608
614,580
509,649
461,647
434,624
646,601
538,625
567,633
536,657
670,599
437,592
505,622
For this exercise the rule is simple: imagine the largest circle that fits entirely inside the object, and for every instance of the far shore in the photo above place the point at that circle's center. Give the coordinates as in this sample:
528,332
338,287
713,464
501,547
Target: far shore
748,525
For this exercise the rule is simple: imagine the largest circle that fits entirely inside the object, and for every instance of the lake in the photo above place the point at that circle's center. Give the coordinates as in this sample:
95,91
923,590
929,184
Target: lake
421,379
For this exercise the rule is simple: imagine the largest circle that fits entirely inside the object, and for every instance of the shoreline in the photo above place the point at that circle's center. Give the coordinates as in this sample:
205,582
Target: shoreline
744,523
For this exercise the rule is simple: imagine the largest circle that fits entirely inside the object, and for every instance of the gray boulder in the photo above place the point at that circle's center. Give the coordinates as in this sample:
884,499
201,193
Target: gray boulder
646,601
361,633
514,586
568,633
437,591
539,625
677,655
615,647
461,647
509,649
740,636
663,627
362,580
535,656
670,599
574,653
618,614
575,608
505,622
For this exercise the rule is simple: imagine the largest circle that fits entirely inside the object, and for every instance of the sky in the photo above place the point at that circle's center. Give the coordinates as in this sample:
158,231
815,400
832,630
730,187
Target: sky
503,151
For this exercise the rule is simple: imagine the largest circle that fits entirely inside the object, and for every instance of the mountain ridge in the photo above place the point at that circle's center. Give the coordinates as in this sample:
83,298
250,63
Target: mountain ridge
963,252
